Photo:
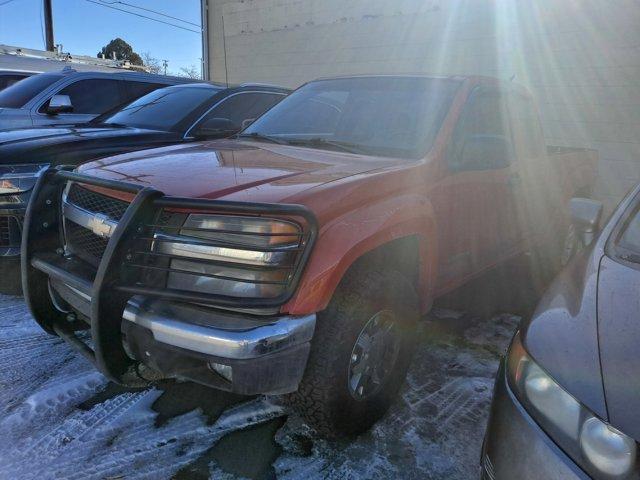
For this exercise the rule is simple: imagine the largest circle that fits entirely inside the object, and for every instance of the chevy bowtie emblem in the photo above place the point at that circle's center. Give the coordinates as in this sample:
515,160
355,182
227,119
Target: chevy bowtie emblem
100,225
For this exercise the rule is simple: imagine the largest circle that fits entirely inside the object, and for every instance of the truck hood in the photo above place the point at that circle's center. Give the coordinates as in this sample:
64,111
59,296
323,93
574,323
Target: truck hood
234,170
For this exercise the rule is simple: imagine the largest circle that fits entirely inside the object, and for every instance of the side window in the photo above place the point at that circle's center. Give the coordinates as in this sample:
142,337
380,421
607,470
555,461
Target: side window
525,124
135,90
8,80
243,106
93,96
482,138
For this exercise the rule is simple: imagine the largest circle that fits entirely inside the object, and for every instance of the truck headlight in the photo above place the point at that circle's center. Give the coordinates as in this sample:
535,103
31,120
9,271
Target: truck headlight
593,444
232,255
19,178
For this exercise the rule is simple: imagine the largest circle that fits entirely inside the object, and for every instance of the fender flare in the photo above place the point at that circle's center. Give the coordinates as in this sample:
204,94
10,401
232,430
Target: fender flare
345,239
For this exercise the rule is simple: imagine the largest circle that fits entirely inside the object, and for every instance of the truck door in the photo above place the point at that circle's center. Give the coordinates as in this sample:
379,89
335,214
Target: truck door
475,202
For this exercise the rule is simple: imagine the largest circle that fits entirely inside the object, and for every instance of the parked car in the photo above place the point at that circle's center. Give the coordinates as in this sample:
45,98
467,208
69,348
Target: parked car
180,113
297,258
74,97
9,77
567,394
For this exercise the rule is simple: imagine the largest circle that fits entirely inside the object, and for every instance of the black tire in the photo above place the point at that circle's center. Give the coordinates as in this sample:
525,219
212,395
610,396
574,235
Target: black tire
324,398
11,278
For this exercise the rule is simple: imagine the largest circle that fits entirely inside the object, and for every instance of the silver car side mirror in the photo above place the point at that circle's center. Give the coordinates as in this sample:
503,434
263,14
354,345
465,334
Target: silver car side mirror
59,104
585,217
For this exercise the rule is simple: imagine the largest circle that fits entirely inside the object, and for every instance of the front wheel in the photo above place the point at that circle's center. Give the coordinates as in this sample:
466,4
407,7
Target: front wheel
360,353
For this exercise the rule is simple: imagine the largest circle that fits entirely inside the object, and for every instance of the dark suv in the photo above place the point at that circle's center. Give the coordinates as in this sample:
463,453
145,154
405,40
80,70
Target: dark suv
69,96
171,115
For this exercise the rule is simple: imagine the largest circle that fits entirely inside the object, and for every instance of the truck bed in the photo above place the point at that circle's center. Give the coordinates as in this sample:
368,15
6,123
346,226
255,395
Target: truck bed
577,167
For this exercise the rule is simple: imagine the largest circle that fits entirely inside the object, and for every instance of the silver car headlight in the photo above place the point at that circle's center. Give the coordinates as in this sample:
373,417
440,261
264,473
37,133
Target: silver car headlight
248,257
19,178
596,446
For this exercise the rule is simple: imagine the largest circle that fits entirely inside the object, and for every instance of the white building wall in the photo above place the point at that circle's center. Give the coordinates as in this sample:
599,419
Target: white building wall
580,58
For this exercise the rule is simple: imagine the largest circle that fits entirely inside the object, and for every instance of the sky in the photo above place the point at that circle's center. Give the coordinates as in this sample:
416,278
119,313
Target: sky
83,27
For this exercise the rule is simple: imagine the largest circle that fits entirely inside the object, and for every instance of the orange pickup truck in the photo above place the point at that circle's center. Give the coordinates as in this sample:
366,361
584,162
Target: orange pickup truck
298,257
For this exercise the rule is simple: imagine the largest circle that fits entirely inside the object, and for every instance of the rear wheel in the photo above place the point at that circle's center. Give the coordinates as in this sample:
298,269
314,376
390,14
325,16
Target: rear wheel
360,354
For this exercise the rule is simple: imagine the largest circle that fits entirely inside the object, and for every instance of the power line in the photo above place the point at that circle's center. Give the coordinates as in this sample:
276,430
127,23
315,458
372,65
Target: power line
150,11
141,16
5,2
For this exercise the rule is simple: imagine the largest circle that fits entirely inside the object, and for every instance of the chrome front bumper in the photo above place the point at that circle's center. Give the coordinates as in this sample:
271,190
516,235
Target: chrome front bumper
267,355
202,330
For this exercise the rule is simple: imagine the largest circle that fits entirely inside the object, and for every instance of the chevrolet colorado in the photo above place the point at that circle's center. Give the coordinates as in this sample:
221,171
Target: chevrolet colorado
298,257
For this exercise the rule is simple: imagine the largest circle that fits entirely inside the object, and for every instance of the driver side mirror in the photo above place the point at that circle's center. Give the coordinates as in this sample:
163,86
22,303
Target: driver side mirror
485,152
216,127
585,217
59,104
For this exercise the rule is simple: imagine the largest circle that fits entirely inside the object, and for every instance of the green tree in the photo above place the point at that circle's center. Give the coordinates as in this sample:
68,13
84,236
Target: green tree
123,51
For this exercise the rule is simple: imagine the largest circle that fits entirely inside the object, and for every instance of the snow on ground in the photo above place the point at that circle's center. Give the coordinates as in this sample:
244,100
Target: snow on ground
62,419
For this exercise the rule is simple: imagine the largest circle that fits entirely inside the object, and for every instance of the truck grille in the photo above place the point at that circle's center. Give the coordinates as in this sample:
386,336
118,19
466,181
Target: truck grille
96,203
85,243
82,241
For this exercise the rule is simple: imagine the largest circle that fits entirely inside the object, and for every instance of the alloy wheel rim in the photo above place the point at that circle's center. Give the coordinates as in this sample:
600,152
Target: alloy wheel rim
374,355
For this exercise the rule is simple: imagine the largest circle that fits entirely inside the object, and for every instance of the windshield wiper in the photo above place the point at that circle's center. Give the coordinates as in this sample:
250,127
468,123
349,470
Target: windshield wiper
320,142
262,137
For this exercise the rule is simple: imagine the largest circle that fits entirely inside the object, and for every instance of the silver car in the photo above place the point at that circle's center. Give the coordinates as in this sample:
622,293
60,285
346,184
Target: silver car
72,97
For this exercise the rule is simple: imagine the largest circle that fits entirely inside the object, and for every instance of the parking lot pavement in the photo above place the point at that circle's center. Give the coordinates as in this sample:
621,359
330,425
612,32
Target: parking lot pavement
61,419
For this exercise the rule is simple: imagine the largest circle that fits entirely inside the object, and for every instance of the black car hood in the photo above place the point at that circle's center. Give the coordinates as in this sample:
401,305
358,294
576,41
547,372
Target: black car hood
74,144
37,133
562,335
67,134
619,330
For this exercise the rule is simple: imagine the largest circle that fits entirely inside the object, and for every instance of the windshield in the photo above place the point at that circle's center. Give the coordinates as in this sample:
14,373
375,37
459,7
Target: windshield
18,94
164,109
386,116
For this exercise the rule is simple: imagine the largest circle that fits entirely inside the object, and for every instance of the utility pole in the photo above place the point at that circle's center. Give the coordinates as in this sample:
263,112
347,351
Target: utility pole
165,64
48,26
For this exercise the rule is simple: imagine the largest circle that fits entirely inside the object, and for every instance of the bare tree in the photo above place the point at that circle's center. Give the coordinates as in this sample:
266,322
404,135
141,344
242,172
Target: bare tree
152,63
190,72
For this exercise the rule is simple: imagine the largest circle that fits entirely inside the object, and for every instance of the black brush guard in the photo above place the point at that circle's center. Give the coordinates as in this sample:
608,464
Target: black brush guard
117,279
